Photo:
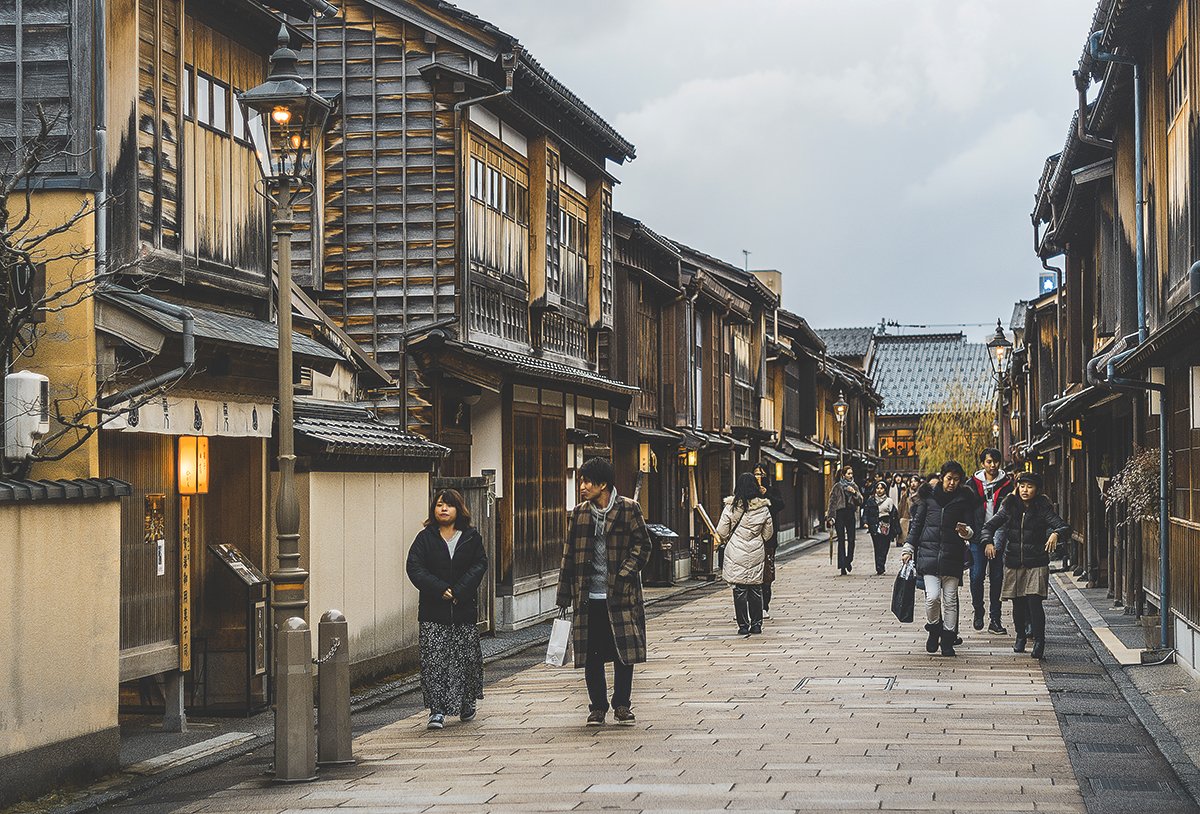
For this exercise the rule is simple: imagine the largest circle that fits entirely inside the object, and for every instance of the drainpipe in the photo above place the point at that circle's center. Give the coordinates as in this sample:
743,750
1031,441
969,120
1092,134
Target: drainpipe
101,112
163,379
1139,182
508,62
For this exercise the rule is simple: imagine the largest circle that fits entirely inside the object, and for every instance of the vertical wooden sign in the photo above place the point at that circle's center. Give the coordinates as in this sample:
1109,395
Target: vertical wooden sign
185,583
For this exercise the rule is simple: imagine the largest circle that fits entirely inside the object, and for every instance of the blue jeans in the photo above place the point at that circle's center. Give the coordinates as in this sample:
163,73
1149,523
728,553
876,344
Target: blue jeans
993,570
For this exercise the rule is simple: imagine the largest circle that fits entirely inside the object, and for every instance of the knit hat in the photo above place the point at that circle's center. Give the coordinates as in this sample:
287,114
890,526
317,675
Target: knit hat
1031,477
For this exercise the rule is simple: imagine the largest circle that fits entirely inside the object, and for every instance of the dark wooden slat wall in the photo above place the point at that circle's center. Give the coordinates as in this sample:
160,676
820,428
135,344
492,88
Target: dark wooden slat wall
390,247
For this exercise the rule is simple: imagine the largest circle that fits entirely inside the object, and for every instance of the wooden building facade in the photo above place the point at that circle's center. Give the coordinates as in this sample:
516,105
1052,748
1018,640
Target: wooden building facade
1091,331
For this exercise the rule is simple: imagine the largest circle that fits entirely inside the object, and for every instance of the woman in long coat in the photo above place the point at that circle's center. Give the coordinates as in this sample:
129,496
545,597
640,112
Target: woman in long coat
937,538
844,500
744,528
447,563
768,490
1032,530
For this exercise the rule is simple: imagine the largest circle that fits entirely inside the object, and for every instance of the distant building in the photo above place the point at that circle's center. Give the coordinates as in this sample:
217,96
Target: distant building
915,373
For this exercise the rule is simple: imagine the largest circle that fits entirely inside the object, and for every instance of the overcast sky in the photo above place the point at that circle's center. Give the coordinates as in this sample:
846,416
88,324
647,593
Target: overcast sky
882,153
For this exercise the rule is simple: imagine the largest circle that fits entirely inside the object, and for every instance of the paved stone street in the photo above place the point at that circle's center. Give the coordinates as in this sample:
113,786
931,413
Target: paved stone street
835,707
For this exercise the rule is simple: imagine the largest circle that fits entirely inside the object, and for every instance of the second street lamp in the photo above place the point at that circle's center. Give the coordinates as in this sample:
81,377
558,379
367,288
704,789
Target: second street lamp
285,126
839,409
1000,352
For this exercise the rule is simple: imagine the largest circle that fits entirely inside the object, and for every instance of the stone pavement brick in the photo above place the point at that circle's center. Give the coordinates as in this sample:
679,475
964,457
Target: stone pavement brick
836,707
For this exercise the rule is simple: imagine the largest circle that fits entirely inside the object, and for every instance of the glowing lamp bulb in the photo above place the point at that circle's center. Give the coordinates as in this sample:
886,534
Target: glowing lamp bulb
281,115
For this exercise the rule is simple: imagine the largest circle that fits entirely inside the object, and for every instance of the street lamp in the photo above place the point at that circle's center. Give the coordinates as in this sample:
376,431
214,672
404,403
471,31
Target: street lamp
1000,351
285,127
839,409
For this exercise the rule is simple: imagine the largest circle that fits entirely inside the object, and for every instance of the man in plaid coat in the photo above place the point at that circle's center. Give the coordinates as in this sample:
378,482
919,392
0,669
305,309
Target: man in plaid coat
607,547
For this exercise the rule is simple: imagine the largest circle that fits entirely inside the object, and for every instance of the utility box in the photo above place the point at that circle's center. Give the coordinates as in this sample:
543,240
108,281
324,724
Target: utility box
26,413
669,562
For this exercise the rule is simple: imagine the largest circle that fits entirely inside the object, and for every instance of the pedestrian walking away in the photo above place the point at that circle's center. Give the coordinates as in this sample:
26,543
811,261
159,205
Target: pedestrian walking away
844,500
938,538
606,549
1032,530
883,523
447,563
768,490
907,498
992,484
744,528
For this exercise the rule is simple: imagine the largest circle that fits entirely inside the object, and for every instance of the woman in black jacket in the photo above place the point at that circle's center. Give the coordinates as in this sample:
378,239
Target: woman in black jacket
937,537
447,563
1032,530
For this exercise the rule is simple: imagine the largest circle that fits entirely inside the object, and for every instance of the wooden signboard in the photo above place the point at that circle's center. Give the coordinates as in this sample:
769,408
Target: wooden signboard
185,583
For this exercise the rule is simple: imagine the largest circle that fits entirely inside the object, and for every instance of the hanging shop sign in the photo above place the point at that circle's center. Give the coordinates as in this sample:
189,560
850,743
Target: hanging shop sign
184,415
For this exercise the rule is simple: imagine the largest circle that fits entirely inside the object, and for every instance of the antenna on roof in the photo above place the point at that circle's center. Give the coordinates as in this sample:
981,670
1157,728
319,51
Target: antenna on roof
746,259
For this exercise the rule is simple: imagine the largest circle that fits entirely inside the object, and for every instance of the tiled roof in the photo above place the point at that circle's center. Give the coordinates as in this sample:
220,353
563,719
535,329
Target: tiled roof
1017,323
19,491
914,373
349,429
539,366
845,343
217,326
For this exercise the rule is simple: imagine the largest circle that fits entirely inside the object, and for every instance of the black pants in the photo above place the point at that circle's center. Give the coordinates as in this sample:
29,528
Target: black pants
881,543
748,605
601,650
843,522
766,596
1029,613
993,571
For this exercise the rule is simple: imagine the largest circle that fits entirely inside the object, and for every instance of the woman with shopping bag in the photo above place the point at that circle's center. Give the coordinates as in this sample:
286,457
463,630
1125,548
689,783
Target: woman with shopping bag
744,529
447,563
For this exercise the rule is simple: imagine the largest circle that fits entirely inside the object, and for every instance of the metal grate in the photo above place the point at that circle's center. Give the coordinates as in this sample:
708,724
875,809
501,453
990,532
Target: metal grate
1136,786
1111,748
883,683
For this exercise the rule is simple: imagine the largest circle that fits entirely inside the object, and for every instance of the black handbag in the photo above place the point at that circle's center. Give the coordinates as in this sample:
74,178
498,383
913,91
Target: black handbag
904,592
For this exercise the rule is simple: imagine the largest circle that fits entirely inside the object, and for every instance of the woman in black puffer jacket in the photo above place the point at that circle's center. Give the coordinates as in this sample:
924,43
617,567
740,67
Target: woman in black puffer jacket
1032,530
447,563
937,537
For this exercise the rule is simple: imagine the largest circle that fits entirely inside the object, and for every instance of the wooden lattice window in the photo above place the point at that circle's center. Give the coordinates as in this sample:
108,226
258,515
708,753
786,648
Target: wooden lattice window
499,227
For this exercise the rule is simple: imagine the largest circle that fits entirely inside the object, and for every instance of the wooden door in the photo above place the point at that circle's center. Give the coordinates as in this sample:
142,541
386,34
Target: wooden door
480,497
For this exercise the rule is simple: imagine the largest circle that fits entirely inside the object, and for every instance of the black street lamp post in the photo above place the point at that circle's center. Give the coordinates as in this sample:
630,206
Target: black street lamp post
285,126
1000,352
839,409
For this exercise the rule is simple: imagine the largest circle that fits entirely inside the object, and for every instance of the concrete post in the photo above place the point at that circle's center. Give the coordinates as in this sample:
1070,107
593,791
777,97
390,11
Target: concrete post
334,747
295,736
174,716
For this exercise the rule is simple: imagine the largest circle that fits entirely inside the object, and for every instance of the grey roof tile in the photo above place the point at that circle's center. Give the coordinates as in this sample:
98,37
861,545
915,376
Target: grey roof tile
349,429
845,343
914,373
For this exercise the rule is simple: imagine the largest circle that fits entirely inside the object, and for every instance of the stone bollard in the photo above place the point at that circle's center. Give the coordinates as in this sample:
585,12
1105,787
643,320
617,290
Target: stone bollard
333,685
295,737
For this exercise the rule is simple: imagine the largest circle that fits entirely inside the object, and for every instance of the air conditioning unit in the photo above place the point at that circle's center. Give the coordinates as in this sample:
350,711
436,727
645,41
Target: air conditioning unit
26,413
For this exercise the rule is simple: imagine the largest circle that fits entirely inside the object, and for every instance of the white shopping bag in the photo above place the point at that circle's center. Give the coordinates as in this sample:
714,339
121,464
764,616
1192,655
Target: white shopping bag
559,648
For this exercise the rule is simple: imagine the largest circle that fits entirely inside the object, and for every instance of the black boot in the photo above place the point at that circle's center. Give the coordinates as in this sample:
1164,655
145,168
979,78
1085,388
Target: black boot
948,637
935,636
1019,644
1039,648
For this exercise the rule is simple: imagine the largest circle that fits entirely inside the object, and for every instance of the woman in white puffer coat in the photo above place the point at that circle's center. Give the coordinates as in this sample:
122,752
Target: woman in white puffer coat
744,529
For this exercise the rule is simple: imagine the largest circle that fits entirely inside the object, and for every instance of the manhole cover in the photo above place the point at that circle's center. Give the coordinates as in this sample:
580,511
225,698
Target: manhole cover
1111,748
846,683
1136,786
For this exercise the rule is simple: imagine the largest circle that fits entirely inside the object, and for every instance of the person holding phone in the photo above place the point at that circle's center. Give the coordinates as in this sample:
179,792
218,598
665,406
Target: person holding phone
938,537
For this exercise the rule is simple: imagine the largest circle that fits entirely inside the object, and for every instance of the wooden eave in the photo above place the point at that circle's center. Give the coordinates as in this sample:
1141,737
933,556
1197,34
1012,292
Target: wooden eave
248,22
489,46
364,360
519,115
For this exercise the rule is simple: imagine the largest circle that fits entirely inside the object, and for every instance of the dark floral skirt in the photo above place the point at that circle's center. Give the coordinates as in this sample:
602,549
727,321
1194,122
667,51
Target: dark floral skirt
451,666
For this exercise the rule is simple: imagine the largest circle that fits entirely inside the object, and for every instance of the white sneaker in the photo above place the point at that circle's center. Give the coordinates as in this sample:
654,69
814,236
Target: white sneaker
766,615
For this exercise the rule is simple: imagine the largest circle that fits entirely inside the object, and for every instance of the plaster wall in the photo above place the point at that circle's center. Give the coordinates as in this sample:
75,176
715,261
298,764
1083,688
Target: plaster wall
59,617
356,532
